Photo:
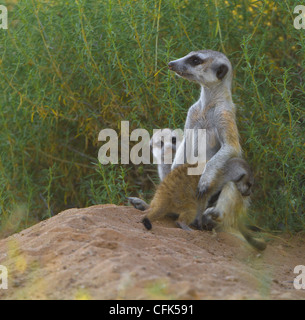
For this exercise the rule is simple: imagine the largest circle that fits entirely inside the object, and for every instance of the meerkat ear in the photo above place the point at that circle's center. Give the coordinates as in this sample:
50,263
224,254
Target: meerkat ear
221,71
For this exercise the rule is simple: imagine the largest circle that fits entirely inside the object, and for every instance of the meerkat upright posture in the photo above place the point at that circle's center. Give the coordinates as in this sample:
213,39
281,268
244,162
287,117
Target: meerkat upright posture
215,112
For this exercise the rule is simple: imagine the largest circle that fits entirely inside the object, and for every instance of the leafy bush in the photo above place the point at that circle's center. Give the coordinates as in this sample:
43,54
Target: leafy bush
71,68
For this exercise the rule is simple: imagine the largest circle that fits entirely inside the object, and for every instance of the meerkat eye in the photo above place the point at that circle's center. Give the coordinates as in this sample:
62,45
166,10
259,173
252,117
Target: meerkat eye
195,61
173,140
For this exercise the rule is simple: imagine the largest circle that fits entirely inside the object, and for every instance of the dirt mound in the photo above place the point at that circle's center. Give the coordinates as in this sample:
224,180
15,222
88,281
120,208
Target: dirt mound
104,252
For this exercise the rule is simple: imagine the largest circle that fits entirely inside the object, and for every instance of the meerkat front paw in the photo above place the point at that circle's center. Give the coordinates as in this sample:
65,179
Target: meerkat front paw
204,186
209,218
197,224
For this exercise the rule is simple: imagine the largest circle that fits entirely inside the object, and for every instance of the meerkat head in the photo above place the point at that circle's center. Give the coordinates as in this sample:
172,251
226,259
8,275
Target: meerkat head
244,184
205,67
165,142
239,171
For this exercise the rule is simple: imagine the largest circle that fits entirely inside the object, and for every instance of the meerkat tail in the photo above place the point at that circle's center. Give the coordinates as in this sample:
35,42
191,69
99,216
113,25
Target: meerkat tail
138,203
258,244
254,228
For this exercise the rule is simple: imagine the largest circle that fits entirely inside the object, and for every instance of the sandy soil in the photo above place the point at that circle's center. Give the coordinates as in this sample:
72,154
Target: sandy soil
104,252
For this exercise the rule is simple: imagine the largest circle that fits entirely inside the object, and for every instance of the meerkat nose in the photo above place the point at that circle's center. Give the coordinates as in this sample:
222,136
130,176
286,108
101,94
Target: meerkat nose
170,65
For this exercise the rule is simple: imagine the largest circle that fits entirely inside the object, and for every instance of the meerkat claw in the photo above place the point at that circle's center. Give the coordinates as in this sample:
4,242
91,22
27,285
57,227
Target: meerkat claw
200,192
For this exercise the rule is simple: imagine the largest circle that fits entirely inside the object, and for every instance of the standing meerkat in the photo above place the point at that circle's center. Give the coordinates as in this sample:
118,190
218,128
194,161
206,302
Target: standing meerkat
214,112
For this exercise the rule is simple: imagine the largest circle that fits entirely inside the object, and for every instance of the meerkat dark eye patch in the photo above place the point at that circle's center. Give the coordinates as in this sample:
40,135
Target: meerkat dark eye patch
221,71
239,178
195,61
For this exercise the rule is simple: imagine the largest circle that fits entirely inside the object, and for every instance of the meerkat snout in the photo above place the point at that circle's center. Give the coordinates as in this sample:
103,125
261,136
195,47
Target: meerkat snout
170,65
177,67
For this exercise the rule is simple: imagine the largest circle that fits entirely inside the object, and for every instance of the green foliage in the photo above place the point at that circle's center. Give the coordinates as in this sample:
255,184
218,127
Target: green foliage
72,68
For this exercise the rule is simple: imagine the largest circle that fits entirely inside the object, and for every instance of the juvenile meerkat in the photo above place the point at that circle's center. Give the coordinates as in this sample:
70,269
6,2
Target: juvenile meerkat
164,144
176,196
215,112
